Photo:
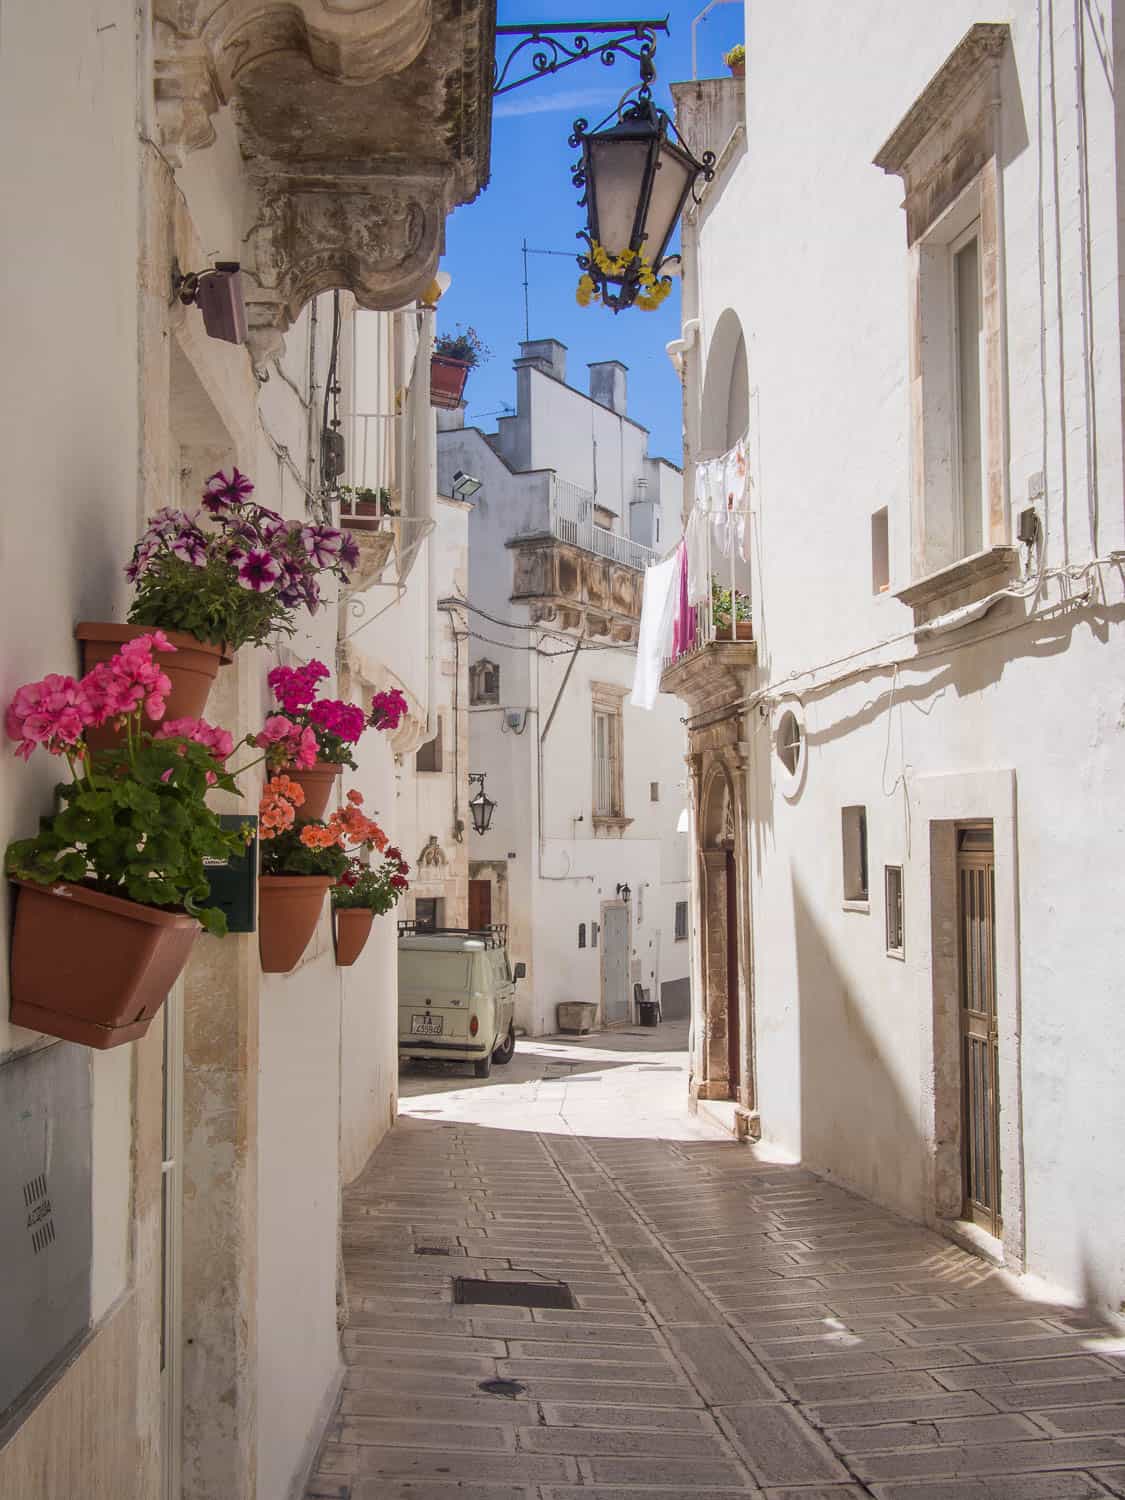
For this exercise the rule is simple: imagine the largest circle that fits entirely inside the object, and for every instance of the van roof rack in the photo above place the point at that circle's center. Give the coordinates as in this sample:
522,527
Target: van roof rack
495,935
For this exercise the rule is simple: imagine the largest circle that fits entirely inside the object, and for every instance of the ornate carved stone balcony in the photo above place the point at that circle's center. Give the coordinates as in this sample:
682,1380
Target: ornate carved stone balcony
713,676
361,124
573,589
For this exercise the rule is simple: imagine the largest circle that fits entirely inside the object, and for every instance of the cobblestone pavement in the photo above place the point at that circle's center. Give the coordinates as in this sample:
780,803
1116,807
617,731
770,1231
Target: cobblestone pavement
742,1327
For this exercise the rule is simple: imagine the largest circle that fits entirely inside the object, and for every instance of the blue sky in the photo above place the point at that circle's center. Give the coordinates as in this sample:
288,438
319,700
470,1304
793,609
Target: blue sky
531,196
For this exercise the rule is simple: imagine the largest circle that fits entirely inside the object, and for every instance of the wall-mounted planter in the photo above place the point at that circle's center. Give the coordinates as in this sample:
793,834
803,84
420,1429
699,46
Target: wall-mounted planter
192,669
351,927
288,911
316,783
447,381
744,629
92,968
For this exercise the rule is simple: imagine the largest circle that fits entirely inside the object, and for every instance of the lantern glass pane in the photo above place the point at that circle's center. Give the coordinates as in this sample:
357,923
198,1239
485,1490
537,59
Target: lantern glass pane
671,181
615,178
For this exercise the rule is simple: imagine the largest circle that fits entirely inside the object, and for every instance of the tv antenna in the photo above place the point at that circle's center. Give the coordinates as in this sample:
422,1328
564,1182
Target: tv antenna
527,250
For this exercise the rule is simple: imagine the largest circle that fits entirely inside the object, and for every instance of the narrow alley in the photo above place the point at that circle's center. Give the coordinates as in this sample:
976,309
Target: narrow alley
739,1327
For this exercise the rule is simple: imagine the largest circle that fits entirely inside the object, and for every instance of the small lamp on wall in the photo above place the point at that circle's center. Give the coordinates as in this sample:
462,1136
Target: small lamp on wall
218,295
624,892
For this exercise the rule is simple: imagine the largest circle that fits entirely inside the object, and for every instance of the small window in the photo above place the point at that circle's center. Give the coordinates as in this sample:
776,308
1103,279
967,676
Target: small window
429,754
582,934
855,854
427,914
607,763
593,934
681,921
880,553
790,742
892,880
654,791
484,682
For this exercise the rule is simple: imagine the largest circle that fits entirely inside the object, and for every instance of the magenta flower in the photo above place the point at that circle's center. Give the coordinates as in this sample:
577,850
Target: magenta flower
259,571
51,713
222,493
388,709
189,545
341,719
349,550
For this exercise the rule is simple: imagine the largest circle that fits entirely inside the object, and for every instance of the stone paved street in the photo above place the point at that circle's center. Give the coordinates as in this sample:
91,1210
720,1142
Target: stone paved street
742,1327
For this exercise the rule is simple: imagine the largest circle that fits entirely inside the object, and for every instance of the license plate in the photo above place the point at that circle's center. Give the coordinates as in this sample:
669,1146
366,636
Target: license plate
426,1025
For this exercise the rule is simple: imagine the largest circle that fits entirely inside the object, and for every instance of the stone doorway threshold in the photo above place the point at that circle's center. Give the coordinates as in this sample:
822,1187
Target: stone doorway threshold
738,1121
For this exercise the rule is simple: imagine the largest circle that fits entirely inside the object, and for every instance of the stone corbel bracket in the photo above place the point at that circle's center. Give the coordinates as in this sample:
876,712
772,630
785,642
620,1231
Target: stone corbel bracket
361,124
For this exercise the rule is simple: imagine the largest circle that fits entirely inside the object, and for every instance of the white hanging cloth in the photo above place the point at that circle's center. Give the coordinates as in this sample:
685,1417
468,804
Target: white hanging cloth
722,487
658,609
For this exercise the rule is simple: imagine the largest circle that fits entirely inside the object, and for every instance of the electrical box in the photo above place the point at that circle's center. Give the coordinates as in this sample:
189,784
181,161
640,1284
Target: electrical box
234,882
46,1229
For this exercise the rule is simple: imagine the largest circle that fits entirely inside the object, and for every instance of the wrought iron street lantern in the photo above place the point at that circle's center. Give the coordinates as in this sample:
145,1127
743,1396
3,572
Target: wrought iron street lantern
481,806
636,173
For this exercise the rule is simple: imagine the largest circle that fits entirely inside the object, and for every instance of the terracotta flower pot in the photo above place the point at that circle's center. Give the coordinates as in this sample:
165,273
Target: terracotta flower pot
447,380
192,668
316,783
737,69
351,927
744,629
288,911
91,968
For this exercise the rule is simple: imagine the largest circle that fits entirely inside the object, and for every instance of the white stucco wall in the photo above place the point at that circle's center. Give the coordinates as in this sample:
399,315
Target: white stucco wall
844,1065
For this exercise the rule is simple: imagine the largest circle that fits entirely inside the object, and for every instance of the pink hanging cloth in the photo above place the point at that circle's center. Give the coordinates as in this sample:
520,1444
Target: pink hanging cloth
683,633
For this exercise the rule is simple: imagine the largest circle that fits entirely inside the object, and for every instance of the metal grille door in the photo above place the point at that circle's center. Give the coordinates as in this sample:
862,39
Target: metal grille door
977,983
615,964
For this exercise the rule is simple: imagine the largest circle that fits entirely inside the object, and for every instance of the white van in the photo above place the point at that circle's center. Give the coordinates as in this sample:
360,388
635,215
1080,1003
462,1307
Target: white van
456,995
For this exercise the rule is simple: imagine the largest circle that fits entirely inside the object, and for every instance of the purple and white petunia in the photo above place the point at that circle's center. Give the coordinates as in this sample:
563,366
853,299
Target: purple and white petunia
222,493
190,546
259,572
322,543
349,550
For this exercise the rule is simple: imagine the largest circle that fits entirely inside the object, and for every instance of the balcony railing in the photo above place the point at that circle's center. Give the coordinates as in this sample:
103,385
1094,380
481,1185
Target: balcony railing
571,519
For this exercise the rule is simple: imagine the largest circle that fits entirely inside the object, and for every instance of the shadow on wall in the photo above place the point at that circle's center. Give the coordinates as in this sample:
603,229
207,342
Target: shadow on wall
857,1123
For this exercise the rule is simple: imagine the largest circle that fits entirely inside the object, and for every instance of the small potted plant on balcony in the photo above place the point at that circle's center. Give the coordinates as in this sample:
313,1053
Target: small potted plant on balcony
732,616
364,508
364,892
735,60
109,889
300,862
231,574
455,354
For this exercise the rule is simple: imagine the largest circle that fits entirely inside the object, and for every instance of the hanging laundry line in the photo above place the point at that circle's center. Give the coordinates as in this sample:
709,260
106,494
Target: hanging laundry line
677,607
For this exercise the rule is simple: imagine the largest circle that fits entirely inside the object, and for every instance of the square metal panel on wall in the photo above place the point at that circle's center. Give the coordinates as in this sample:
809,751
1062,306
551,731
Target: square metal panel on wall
46,1237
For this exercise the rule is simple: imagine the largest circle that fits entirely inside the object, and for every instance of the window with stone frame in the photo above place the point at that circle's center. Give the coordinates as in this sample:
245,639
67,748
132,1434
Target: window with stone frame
484,682
946,150
608,746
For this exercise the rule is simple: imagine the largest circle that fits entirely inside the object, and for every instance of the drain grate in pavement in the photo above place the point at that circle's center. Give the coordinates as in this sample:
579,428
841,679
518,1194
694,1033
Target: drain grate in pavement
432,1250
509,1388
513,1293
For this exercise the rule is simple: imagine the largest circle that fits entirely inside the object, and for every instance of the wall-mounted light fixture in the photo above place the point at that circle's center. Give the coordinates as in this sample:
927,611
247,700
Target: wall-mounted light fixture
624,892
464,486
481,806
218,295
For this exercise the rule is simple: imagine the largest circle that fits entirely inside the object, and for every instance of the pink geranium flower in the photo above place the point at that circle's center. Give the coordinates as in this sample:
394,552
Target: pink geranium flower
219,741
51,713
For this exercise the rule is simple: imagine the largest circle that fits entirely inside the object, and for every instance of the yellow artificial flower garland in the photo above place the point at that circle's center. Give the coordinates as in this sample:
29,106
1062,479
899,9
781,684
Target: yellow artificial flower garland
654,291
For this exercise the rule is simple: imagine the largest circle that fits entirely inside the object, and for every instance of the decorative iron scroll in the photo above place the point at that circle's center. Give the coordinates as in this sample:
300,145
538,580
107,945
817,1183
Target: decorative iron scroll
550,54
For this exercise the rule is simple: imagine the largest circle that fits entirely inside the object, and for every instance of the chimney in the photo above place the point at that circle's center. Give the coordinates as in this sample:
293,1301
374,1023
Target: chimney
608,379
449,419
547,355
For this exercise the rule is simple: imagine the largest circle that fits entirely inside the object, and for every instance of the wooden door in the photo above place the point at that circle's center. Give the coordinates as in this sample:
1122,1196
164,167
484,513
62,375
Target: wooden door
980,1127
615,963
734,1029
480,903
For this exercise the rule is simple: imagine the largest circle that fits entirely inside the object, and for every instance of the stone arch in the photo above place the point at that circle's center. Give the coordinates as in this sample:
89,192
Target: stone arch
726,388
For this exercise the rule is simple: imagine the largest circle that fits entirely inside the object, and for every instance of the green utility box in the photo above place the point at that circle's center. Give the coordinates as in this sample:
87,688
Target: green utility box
234,881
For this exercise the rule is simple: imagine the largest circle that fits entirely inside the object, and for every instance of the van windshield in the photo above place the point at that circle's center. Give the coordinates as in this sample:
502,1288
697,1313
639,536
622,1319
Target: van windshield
422,970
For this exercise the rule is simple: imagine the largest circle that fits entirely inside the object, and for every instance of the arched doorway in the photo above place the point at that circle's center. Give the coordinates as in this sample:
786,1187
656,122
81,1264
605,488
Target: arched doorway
725,409
725,1073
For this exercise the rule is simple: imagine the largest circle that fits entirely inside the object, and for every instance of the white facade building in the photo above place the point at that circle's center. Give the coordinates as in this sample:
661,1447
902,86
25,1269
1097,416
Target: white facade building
179,1336
588,790
903,286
